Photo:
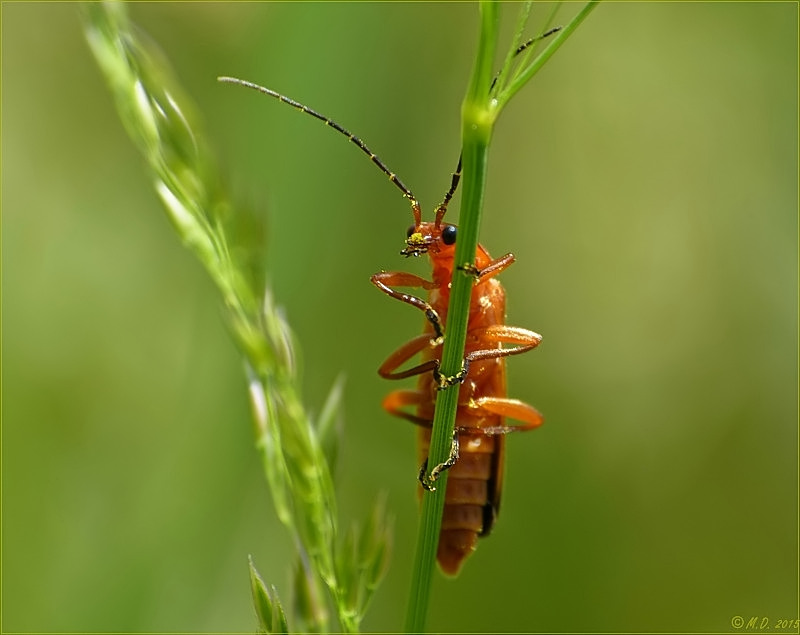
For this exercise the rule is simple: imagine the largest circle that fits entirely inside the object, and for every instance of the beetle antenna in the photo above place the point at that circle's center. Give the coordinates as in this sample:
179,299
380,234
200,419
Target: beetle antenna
457,174
415,208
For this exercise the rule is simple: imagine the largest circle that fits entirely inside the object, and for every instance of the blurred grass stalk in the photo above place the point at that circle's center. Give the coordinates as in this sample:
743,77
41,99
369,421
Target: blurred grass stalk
297,454
481,107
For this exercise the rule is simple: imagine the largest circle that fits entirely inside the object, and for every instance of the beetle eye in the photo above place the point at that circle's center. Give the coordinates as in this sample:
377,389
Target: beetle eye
410,231
449,235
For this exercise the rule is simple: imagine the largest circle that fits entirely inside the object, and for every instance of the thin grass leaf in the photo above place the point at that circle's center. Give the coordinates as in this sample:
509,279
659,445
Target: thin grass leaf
330,423
511,58
268,442
309,604
524,59
271,618
523,77
374,549
347,553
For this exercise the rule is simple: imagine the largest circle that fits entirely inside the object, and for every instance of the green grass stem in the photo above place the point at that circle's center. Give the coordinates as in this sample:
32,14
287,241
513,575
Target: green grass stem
475,134
480,109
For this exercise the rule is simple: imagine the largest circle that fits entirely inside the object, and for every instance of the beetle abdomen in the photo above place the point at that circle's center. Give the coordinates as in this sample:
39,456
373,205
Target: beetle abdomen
469,508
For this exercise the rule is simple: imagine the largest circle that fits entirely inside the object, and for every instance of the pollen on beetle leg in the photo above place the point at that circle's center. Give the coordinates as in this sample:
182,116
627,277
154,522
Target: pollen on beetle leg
428,481
423,479
443,382
470,270
436,322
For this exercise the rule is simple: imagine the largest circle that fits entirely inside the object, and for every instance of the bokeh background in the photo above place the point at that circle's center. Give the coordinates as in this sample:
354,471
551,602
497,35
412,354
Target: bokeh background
646,181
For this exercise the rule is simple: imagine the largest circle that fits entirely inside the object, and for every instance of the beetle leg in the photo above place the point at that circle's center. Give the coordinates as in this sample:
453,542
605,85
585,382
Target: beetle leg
384,281
395,402
427,481
490,270
502,334
443,382
513,408
421,476
388,370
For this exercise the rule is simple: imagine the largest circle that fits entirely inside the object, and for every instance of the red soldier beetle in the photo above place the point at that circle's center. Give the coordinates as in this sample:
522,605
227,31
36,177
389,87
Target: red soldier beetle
472,497
476,461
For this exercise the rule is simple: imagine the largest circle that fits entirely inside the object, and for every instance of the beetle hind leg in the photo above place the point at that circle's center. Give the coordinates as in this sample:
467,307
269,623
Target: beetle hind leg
427,480
396,402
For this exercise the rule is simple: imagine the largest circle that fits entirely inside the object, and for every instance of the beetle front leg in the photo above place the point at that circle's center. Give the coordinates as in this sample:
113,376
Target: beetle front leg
490,270
385,280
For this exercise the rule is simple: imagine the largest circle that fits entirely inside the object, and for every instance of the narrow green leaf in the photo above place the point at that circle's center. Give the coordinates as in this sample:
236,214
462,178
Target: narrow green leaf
374,550
330,423
308,602
268,443
271,617
555,43
511,54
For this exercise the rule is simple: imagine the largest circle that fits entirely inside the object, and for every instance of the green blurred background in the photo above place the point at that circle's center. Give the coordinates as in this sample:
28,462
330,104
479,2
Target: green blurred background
646,181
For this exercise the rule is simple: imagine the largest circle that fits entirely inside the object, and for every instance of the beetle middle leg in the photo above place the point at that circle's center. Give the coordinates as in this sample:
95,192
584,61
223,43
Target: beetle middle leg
524,339
500,334
512,408
388,370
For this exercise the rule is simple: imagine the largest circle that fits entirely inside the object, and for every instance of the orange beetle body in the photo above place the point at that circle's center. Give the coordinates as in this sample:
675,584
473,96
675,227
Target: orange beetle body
474,485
